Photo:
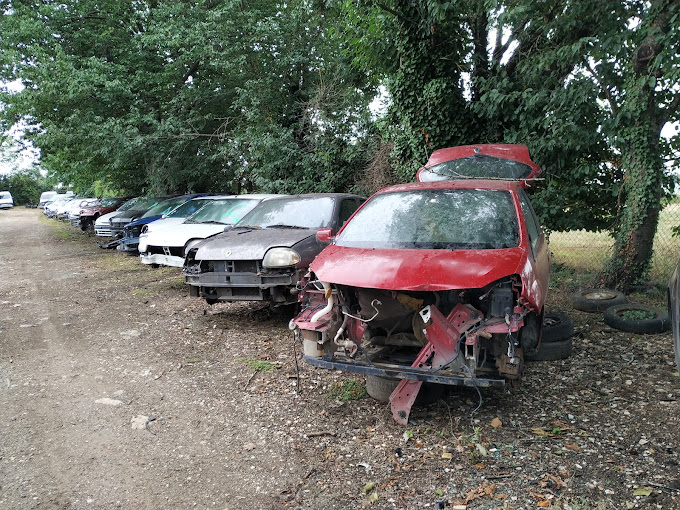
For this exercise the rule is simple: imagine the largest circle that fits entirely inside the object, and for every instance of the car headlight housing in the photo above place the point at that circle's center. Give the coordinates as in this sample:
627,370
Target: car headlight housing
191,244
280,257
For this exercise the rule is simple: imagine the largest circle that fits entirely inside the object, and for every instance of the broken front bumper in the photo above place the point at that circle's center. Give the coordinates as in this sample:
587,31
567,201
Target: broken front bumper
162,259
245,280
450,349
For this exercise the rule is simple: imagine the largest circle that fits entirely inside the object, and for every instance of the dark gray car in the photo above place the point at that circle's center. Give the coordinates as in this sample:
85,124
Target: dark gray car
265,255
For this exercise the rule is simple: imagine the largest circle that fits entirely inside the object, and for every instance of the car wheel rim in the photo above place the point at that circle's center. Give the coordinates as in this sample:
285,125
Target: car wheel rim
600,295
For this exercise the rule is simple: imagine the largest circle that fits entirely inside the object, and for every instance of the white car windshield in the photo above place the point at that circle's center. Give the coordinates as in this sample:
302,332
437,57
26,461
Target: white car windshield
435,219
294,212
228,211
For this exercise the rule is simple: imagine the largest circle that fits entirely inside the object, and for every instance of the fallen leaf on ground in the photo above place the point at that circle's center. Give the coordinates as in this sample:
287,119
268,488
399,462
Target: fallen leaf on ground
552,482
480,492
368,487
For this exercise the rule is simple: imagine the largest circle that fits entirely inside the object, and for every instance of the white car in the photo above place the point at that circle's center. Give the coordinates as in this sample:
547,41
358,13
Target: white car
166,243
45,197
74,206
102,226
57,202
73,212
6,200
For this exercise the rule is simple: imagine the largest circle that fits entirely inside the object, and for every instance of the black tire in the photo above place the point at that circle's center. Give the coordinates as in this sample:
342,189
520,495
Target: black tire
551,351
615,317
557,327
380,388
597,300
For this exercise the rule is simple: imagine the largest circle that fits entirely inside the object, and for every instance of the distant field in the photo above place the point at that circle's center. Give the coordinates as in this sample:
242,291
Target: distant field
588,251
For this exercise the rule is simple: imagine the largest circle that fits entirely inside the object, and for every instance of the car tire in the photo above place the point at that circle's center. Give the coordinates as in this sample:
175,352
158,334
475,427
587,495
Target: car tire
597,300
557,327
551,351
614,316
380,388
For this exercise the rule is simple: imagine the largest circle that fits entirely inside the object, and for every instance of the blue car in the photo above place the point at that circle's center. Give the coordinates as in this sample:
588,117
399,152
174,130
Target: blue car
176,207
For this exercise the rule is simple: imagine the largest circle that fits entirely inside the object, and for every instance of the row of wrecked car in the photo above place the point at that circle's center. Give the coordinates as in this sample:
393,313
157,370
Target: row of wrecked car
438,282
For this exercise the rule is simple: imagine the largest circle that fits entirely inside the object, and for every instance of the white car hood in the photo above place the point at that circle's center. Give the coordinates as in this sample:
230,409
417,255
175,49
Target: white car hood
104,218
163,223
178,235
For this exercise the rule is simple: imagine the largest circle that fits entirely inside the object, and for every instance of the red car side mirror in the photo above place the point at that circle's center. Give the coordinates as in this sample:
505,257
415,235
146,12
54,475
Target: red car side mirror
324,235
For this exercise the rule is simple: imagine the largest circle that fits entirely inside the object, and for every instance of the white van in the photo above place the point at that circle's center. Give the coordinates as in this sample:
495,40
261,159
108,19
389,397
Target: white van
6,200
45,197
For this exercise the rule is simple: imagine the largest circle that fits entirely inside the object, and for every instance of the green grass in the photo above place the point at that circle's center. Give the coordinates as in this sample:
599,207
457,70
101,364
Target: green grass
260,365
113,260
60,229
586,253
347,390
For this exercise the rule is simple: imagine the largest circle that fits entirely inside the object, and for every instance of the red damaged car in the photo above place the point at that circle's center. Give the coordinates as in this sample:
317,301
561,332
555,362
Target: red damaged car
442,281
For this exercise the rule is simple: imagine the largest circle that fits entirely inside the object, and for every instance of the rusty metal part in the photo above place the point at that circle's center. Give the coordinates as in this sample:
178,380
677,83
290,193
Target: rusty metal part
443,336
511,367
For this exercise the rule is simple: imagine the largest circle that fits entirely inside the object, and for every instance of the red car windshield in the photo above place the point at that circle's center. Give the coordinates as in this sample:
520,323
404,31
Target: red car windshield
448,219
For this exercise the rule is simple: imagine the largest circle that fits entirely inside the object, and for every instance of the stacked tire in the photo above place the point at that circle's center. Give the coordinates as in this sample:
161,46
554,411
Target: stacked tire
556,339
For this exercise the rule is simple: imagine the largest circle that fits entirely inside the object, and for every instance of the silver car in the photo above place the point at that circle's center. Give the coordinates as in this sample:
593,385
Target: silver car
267,253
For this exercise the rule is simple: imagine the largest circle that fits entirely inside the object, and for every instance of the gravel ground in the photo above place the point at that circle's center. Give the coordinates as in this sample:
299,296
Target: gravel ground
118,390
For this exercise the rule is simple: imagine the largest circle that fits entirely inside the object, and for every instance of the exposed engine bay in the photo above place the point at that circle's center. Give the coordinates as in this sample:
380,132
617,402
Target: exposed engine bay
471,337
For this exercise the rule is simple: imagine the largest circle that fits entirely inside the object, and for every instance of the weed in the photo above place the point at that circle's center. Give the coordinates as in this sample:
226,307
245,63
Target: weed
141,293
260,365
637,315
347,390
64,234
176,283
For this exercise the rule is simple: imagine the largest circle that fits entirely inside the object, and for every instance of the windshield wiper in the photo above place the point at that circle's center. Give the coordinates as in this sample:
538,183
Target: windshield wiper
249,227
281,225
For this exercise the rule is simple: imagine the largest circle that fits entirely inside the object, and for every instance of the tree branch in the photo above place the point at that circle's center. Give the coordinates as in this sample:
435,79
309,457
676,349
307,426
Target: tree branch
395,13
191,71
670,109
606,90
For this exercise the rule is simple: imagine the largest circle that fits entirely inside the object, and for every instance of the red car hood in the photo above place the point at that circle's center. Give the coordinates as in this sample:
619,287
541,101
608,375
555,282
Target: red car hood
416,270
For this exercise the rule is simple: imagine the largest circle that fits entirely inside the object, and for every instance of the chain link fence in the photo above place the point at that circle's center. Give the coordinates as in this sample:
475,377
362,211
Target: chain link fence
587,252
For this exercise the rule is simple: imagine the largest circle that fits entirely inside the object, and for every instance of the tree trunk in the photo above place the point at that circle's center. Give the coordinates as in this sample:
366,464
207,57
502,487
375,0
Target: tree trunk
635,238
642,120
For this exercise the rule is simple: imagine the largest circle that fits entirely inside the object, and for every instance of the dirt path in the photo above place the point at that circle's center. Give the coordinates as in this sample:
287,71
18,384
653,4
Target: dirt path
118,390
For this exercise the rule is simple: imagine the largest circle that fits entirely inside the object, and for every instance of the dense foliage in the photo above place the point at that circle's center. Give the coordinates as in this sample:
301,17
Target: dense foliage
588,86
226,95
25,186
186,96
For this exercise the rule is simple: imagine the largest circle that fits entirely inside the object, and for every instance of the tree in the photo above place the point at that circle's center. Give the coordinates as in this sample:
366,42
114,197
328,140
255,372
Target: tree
638,72
185,96
25,185
586,85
